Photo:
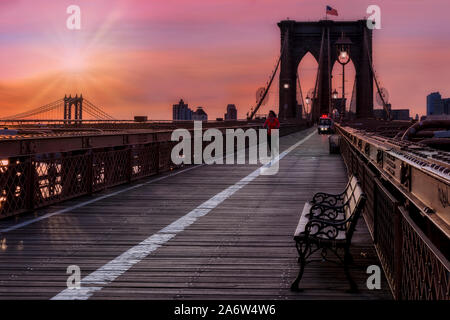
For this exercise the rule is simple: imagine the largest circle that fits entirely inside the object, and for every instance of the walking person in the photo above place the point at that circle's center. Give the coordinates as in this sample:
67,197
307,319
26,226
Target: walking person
271,122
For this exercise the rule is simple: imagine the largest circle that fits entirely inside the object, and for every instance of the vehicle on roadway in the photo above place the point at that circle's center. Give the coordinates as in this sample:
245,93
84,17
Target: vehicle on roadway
326,125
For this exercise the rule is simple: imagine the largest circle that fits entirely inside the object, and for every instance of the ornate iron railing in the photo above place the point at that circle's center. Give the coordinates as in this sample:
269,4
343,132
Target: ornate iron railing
426,272
414,267
36,180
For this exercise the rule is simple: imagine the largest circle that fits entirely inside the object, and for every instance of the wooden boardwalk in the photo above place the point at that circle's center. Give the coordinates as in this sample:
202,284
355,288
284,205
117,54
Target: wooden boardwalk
241,249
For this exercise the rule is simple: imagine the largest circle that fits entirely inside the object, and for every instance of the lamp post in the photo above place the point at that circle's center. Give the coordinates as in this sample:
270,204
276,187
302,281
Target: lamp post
335,94
285,107
308,101
343,50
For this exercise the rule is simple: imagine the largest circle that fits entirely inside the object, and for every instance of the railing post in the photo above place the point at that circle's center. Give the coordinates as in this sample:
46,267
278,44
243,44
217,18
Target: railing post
398,259
30,185
90,172
129,163
375,213
157,151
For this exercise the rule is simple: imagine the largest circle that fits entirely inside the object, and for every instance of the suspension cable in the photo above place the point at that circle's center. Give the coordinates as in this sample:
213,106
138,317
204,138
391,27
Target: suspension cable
39,110
352,101
374,76
301,95
102,114
263,96
56,106
319,69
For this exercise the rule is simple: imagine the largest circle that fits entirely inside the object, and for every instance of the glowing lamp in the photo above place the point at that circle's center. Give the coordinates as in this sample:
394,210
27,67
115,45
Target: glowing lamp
308,100
335,94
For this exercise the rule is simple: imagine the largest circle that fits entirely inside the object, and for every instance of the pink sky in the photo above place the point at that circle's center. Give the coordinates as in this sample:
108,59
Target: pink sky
139,57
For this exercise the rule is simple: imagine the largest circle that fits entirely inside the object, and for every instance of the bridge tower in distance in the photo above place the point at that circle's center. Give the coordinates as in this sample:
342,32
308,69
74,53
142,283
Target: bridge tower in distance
321,39
77,103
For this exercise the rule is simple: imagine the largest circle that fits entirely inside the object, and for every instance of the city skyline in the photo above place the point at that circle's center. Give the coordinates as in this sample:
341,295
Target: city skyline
138,58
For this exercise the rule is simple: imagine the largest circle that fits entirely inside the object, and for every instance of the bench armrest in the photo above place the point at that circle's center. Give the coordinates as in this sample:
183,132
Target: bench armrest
325,228
327,198
323,211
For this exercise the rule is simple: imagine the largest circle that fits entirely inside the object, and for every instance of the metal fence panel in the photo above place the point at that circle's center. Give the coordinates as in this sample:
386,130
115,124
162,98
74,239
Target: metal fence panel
426,272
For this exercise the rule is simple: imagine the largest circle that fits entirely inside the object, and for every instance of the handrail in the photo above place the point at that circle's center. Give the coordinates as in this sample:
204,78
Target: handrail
407,254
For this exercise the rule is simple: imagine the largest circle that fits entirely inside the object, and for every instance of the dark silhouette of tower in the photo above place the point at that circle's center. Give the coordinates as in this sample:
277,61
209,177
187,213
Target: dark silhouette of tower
77,103
319,38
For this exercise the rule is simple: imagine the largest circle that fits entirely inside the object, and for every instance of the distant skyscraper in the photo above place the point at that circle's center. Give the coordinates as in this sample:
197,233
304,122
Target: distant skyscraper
200,115
400,114
231,112
381,113
181,111
434,104
396,114
446,106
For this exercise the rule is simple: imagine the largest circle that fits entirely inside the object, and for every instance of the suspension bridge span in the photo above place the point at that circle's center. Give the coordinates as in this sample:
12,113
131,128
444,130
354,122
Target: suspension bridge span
71,109
105,197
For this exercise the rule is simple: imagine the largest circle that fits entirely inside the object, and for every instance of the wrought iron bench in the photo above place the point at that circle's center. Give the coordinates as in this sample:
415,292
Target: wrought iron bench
336,199
329,228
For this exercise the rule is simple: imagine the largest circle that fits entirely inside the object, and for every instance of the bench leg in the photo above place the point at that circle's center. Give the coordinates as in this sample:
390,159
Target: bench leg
347,261
349,257
302,262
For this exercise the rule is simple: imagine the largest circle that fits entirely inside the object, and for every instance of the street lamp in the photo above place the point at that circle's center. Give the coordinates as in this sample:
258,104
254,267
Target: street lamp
343,46
308,101
286,86
335,94
344,57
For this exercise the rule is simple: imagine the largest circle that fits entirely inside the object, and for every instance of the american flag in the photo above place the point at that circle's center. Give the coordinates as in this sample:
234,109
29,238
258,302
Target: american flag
331,11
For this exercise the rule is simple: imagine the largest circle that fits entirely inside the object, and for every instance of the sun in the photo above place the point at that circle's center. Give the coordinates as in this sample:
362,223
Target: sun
74,61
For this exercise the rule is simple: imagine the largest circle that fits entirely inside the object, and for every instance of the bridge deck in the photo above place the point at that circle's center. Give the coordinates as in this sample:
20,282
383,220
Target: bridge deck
241,247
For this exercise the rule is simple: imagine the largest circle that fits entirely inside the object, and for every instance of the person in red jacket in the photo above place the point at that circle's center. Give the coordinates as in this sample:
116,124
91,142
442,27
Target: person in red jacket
272,122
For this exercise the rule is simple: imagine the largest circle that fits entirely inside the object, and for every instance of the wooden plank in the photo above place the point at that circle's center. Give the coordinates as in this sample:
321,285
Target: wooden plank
241,249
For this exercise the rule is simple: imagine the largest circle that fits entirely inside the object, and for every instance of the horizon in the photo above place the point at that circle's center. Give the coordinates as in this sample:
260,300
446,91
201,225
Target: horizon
140,58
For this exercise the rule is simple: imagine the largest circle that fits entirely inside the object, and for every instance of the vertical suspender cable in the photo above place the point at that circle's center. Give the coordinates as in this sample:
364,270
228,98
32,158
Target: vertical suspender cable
352,101
374,77
263,96
319,68
301,95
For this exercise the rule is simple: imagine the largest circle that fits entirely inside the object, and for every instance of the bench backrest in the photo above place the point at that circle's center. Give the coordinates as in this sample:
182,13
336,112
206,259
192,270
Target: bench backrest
350,188
353,208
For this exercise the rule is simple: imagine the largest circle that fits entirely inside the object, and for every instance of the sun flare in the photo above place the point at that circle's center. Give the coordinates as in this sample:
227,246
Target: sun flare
74,61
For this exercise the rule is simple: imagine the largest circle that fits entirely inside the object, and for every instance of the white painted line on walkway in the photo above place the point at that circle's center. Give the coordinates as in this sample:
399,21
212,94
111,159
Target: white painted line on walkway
85,203
115,268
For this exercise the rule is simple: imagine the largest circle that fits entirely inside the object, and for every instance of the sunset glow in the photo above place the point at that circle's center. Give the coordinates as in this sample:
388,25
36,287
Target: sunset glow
140,57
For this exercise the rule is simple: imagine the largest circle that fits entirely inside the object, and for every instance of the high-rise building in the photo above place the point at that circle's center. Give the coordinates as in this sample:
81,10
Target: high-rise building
396,114
381,113
181,111
434,104
199,115
446,106
400,114
231,112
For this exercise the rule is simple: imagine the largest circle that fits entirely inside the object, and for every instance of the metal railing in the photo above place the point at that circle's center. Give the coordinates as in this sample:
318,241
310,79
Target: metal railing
35,180
414,267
